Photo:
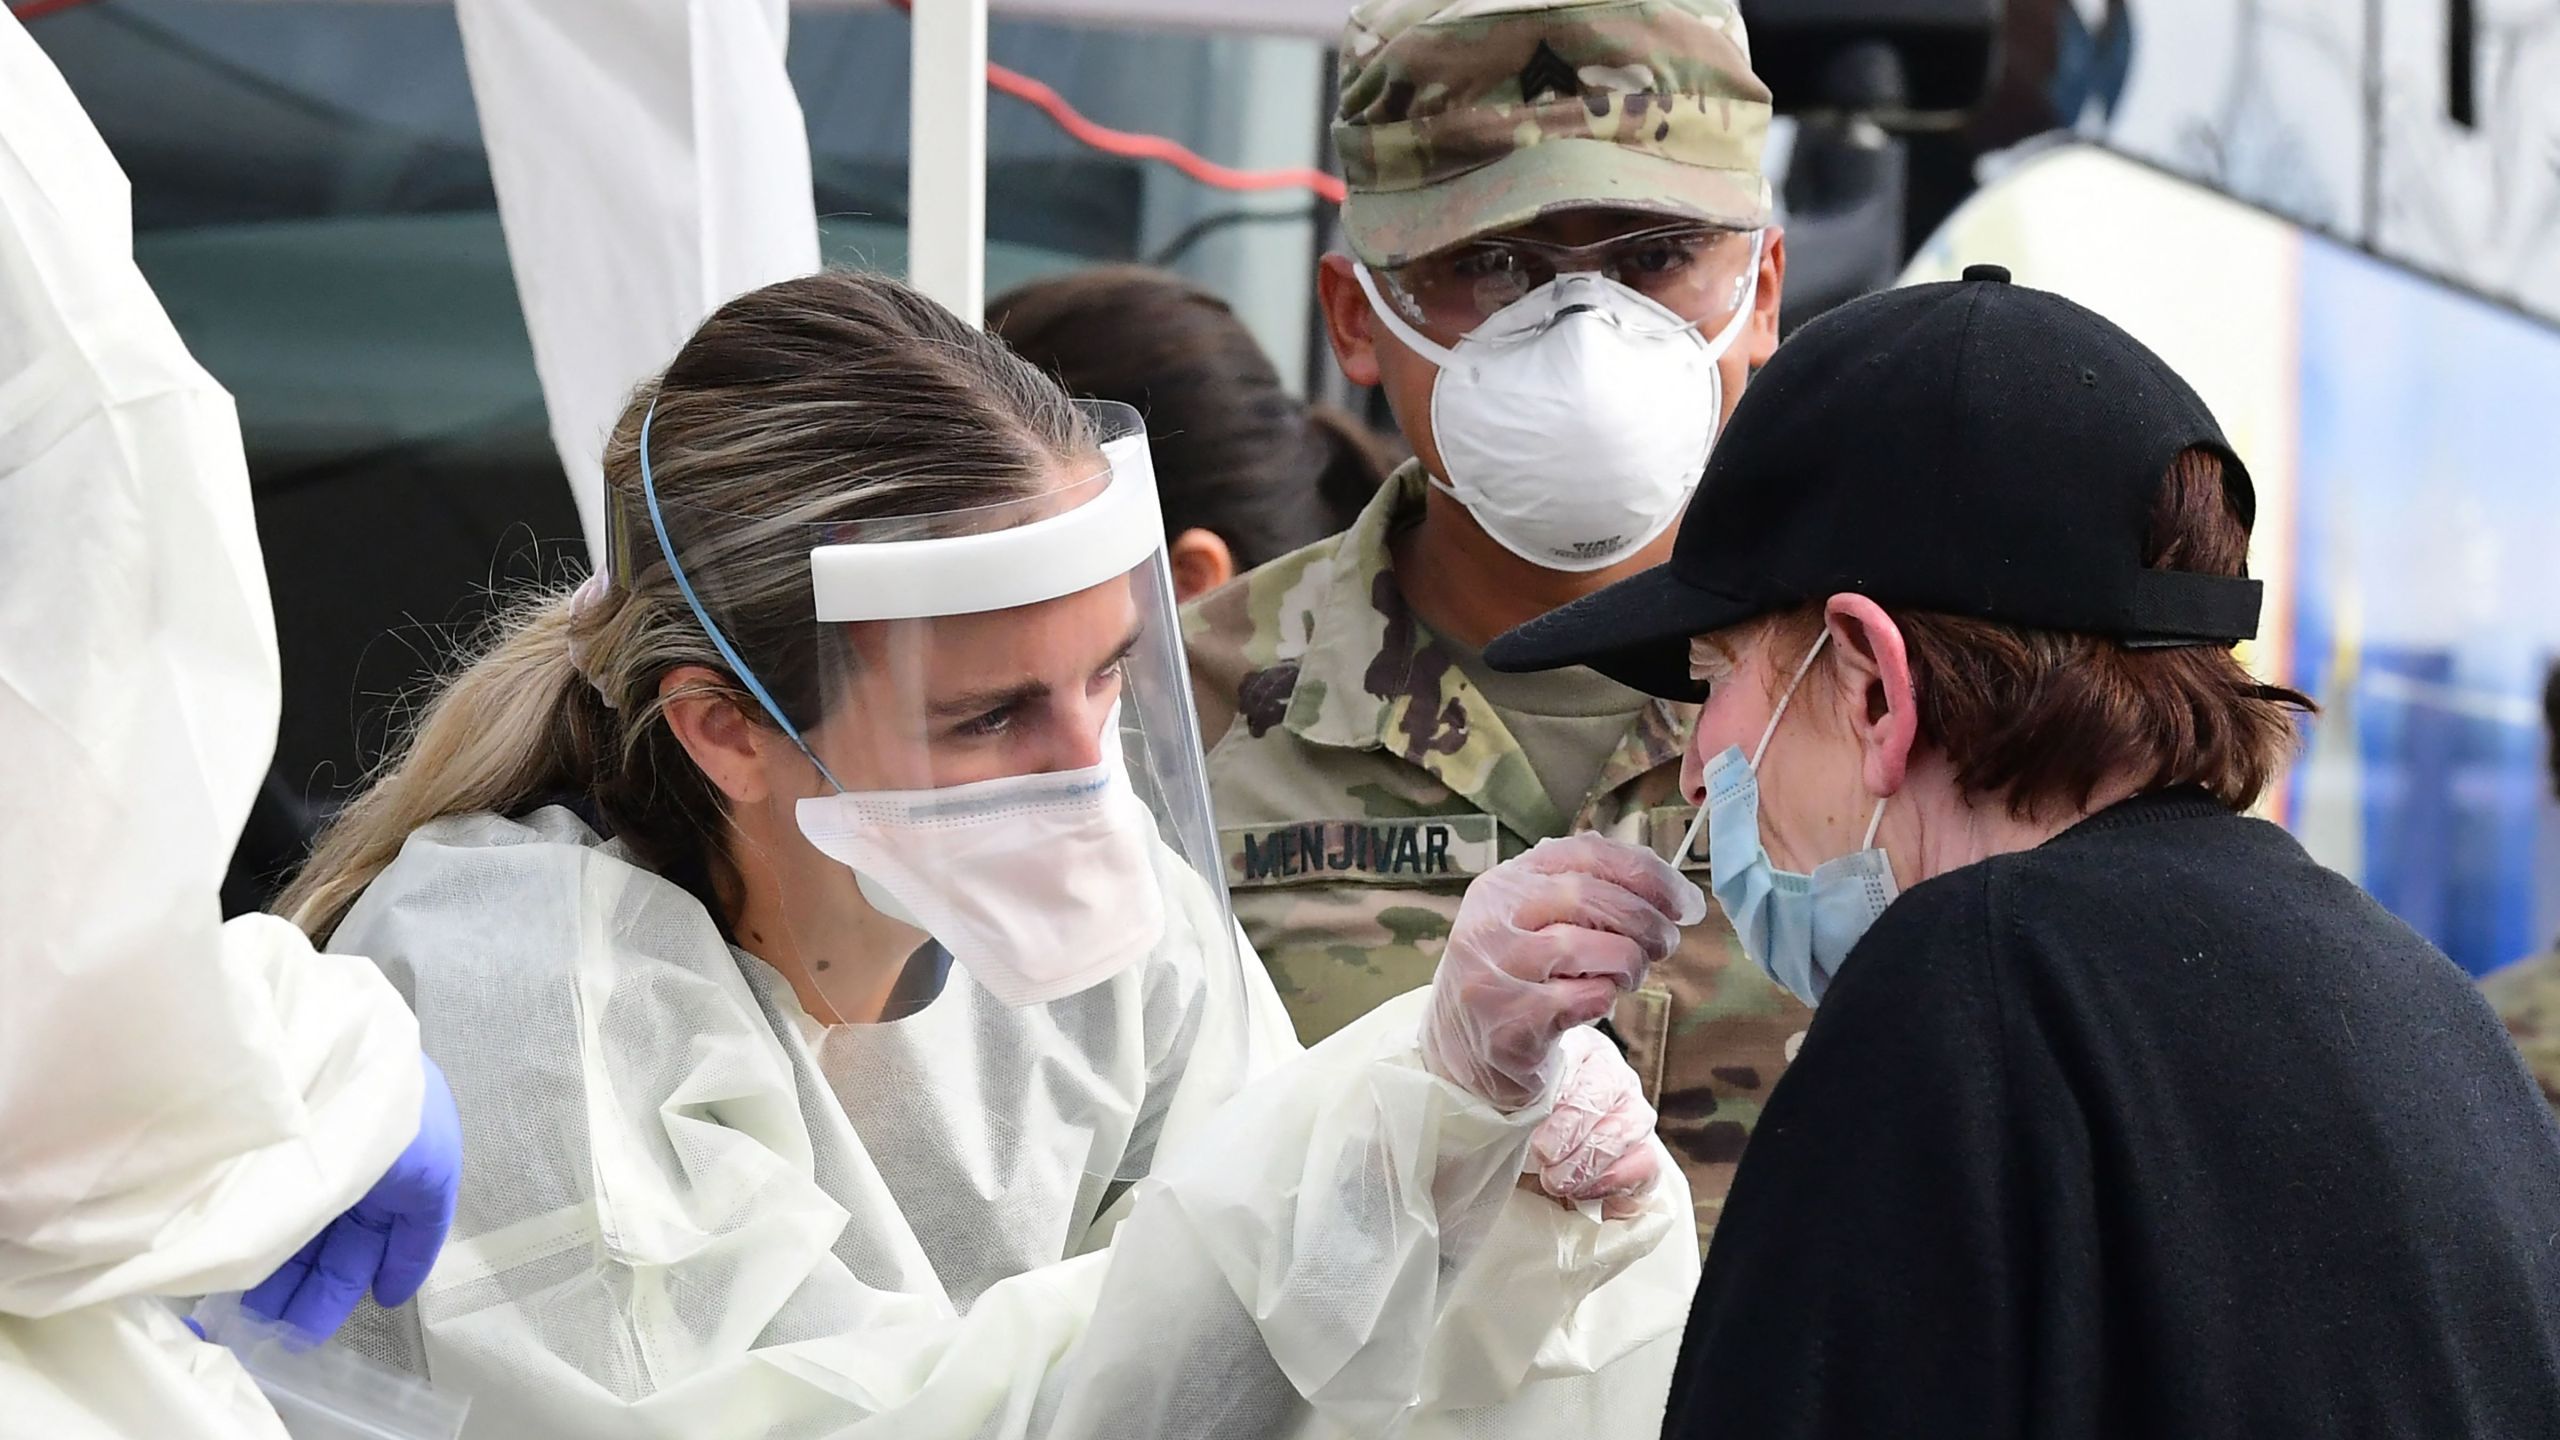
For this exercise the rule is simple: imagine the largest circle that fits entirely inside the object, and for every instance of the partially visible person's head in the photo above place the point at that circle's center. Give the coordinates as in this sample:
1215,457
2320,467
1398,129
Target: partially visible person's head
2551,723
1968,548
1247,472
830,400
1490,148
2037,724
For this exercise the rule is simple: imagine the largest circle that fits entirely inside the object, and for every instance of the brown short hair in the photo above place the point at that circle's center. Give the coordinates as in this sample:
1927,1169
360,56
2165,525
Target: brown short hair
2042,718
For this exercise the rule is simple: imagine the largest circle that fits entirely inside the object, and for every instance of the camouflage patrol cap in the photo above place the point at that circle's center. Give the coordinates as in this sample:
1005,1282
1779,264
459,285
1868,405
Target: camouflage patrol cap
1462,117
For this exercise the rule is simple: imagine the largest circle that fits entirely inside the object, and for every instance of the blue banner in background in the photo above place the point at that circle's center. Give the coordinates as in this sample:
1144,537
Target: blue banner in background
2428,585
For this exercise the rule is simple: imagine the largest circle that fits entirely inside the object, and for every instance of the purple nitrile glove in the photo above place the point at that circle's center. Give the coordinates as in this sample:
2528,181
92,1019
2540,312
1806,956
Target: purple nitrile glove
386,1242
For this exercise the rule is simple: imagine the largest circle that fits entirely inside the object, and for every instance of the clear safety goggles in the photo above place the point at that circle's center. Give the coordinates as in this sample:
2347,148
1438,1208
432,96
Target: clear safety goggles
1003,764
1701,274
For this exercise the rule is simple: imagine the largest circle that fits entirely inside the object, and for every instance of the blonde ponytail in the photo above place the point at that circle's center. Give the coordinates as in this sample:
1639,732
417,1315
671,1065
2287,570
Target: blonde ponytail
515,725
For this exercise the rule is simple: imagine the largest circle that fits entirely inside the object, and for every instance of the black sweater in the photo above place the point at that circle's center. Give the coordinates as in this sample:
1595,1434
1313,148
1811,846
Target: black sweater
2159,1129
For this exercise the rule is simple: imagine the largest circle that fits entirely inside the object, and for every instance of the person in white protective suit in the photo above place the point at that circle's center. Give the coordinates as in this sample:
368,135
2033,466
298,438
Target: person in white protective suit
185,1106
816,914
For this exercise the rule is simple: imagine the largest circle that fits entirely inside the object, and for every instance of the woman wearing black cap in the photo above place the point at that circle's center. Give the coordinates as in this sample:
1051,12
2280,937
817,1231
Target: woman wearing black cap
2120,1116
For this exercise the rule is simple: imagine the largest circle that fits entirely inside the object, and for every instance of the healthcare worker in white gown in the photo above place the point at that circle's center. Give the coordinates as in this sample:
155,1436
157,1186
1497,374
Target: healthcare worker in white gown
818,916
185,1106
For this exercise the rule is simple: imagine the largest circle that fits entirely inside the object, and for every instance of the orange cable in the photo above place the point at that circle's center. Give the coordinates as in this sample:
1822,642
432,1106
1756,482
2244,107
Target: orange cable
1156,147
1134,146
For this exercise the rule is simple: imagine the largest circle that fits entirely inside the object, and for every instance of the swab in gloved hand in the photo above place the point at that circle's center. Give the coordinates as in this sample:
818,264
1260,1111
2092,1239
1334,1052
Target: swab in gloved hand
1597,1144
1544,942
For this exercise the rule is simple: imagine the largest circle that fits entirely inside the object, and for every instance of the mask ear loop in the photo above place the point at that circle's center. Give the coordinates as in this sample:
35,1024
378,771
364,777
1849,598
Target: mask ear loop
1414,340
1698,822
684,587
1788,698
1875,822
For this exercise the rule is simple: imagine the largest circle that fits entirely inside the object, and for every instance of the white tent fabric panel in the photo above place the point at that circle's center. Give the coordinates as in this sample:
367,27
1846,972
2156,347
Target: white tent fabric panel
650,163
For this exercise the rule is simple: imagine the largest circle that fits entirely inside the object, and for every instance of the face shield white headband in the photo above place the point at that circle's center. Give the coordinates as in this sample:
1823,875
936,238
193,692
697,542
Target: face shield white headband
1575,421
1039,885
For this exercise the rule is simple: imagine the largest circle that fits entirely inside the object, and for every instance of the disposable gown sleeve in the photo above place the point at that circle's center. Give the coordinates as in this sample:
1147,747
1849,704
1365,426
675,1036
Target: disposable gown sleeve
182,1103
643,1250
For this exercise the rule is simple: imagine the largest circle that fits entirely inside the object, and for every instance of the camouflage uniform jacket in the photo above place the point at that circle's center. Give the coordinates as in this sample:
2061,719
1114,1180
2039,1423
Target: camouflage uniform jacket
1360,780
2526,995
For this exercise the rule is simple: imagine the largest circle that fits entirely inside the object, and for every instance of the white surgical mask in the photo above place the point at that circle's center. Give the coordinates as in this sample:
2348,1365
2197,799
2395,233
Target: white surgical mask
1575,421
1039,885
1798,928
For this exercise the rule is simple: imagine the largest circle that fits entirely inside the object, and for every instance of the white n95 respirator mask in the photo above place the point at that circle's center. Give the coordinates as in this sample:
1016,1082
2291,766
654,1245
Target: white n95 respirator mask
1574,422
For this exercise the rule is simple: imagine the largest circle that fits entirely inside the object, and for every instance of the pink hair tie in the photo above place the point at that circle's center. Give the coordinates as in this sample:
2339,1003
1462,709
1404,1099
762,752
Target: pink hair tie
589,597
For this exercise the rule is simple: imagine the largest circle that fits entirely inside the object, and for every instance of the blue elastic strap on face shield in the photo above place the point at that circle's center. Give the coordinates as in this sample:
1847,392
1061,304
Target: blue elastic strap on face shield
684,587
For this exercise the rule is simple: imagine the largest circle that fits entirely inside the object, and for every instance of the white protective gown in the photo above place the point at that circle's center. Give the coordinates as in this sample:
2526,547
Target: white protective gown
182,1103
691,1212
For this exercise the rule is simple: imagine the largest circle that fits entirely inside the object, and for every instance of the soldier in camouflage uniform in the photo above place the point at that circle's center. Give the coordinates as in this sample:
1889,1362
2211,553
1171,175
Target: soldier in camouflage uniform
2526,995
1364,765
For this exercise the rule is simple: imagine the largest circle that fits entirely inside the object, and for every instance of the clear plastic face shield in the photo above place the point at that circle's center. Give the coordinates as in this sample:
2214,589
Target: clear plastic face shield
998,785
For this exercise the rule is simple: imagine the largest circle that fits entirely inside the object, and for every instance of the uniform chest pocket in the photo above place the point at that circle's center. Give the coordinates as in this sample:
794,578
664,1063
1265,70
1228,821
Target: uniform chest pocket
1431,850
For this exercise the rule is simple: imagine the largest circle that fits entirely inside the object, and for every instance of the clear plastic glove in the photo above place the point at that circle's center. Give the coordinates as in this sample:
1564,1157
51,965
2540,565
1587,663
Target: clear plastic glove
1545,942
1598,1142
386,1242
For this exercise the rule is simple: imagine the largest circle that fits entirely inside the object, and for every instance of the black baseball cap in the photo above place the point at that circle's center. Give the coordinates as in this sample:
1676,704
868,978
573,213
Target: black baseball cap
1972,448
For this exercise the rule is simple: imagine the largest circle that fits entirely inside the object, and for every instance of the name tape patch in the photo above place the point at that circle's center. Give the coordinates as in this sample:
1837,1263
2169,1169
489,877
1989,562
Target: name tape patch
1453,847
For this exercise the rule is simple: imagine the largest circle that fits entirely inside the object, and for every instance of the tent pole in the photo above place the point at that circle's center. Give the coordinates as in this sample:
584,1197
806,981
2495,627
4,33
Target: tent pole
947,155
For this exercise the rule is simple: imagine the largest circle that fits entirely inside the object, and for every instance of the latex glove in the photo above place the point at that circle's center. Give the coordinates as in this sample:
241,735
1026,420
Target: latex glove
1544,942
386,1242
1597,1144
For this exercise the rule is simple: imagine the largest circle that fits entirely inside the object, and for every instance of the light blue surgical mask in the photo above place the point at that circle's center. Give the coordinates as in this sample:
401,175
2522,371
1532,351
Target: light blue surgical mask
1799,928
